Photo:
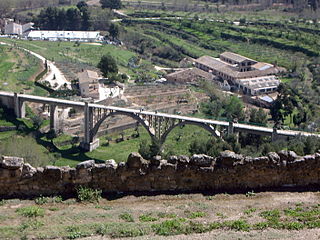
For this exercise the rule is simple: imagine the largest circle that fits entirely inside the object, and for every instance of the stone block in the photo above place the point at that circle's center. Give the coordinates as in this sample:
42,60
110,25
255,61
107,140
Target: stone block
201,160
85,164
28,171
11,162
273,157
135,160
288,156
52,174
228,158
173,159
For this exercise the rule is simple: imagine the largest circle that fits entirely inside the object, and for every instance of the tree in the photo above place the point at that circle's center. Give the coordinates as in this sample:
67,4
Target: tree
234,108
4,7
108,65
113,4
114,30
258,116
82,5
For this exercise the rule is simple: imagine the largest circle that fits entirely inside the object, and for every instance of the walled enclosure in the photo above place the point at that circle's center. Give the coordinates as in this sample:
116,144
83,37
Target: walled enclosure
228,172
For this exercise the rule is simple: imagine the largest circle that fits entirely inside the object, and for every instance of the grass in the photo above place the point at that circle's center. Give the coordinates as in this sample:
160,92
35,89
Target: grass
17,70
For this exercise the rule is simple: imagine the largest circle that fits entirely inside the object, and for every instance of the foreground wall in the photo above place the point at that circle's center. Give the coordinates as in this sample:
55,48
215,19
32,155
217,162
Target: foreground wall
228,172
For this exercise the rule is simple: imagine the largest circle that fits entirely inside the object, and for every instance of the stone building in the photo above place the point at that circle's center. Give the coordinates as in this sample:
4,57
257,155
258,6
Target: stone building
248,75
89,84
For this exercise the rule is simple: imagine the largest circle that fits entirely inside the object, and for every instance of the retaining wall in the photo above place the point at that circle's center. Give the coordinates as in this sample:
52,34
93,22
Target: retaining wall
228,172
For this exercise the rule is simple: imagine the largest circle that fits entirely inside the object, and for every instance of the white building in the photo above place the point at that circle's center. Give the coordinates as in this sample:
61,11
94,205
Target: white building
13,28
65,36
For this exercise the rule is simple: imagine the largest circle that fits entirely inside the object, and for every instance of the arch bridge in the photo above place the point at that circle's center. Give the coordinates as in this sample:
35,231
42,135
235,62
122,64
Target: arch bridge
158,125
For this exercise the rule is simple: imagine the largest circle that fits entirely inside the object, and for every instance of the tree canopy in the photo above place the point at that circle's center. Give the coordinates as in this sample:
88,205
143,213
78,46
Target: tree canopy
113,4
108,65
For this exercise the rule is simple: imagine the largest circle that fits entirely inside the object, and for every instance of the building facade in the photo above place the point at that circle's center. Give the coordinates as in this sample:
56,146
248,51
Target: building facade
80,36
250,76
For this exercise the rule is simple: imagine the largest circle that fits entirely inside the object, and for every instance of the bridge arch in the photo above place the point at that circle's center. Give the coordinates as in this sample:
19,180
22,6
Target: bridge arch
182,123
145,124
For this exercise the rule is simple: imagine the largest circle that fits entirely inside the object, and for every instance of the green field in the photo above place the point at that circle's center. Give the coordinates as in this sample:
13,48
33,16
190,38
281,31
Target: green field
18,70
85,53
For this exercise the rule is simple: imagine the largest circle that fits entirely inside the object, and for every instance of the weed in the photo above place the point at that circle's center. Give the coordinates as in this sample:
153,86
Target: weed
196,227
107,208
41,200
31,225
31,211
169,227
197,215
74,232
250,210
260,225
2,202
250,194
86,194
210,198
221,215
238,225
126,217
44,200
166,215
293,226
147,218
271,215
127,232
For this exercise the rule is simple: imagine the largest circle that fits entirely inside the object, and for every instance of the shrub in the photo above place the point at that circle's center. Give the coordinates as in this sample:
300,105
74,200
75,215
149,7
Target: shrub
169,227
126,217
74,232
238,225
86,194
31,211
147,218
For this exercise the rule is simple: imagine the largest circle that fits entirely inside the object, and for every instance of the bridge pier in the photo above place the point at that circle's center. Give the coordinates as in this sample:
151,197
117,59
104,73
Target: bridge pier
230,128
274,135
89,143
18,106
54,118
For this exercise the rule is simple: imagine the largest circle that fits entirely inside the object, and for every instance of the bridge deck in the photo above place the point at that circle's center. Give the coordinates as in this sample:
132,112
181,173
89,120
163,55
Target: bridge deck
237,126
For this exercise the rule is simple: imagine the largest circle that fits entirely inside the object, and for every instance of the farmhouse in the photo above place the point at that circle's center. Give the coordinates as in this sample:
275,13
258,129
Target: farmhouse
188,76
89,84
250,76
65,36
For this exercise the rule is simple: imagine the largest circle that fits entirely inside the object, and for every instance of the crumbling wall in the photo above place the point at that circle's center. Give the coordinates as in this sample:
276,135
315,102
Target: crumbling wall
228,172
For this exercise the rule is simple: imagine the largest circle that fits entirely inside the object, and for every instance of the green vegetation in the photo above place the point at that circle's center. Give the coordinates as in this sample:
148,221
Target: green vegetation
65,219
86,194
31,211
18,75
126,217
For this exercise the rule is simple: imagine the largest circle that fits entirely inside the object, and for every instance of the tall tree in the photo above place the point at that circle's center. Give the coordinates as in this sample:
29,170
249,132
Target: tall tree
113,4
114,30
108,65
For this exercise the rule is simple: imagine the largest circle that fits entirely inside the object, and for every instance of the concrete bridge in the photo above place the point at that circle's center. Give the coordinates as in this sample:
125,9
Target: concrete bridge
158,125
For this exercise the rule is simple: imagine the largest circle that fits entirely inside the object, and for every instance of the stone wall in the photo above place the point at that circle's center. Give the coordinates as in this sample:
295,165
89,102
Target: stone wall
228,172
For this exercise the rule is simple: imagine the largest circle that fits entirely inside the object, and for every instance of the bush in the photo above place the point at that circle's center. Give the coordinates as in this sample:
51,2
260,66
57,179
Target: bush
31,211
126,217
85,194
